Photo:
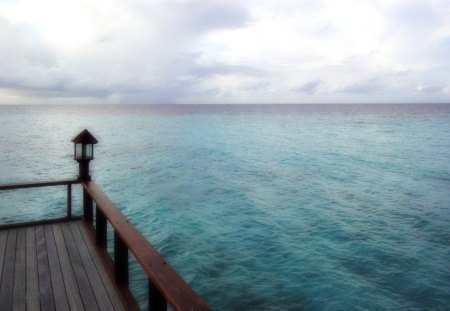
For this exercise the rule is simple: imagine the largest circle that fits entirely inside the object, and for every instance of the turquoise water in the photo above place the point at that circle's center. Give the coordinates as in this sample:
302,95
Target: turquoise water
261,207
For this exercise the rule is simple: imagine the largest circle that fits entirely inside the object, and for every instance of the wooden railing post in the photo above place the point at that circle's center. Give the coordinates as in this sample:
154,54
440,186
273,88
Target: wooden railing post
120,260
69,201
87,207
100,228
156,301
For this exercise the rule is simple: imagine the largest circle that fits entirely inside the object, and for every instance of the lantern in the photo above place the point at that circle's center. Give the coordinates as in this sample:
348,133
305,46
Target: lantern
84,152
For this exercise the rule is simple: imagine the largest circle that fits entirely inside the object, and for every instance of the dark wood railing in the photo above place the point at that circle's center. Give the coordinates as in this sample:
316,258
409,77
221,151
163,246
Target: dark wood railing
165,285
68,182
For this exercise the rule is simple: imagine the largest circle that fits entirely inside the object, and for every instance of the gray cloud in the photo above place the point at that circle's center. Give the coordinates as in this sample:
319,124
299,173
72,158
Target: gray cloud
414,13
204,16
261,86
429,89
26,60
211,92
192,17
309,87
190,63
224,69
362,87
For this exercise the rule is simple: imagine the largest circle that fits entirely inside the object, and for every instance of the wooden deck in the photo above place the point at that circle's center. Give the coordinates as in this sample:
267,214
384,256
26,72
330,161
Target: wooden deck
53,267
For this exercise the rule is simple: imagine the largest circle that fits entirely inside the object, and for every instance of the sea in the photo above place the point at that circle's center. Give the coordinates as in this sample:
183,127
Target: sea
259,207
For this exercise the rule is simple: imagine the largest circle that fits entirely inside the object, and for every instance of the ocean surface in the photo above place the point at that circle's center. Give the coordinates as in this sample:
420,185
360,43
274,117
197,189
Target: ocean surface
276,207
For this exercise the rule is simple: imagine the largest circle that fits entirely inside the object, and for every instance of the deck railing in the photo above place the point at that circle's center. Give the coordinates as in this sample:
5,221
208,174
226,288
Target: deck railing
165,285
68,183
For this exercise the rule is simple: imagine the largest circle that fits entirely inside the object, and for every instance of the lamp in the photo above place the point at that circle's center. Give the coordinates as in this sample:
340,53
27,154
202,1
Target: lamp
84,153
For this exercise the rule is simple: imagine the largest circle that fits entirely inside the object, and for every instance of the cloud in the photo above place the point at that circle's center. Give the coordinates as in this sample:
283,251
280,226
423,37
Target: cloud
177,21
429,89
309,88
26,59
413,13
256,86
149,52
224,69
228,51
204,16
365,87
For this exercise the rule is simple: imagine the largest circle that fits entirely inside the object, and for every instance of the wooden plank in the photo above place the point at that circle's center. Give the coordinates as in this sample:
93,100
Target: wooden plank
59,291
3,238
38,184
45,283
106,279
101,295
6,290
19,302
87,294
73,294
173,288
32,285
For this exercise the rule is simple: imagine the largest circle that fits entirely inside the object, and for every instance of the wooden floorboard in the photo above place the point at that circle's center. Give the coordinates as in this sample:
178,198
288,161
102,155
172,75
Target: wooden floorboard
112,292
3,238
59,291
18,303
73,294
6,288
87,297
45,283
32,285
100,293
53,267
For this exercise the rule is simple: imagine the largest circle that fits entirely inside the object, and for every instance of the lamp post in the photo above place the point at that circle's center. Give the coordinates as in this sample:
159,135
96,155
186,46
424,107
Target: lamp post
84,153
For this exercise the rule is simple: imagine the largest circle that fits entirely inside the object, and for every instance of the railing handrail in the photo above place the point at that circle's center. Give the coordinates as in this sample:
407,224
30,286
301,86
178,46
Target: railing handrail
39,184
169,283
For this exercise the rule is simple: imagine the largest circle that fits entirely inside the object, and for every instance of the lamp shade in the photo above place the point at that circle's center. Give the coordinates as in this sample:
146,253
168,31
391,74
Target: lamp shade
84,146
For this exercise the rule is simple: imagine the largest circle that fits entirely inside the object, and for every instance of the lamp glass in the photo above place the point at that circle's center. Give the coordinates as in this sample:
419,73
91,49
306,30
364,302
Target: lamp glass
78,151
89,151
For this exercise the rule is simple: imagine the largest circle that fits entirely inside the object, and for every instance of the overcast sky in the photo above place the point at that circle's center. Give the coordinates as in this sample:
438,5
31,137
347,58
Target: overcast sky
246,51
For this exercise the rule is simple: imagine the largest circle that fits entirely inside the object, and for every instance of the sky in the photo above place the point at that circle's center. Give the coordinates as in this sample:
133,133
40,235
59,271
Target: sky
224,51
